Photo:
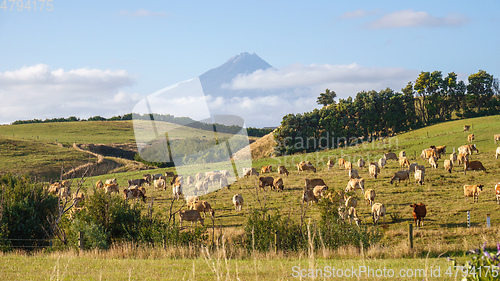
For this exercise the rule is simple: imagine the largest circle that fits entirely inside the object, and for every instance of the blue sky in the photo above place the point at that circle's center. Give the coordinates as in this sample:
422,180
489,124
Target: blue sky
89,58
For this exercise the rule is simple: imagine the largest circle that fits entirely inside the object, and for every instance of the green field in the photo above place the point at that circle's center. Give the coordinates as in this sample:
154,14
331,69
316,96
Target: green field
442,192
445,231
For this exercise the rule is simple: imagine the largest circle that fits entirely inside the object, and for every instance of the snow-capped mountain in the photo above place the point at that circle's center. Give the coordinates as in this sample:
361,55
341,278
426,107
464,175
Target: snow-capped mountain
213,80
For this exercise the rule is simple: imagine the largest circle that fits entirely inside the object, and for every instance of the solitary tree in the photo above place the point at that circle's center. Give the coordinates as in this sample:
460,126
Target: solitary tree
326,98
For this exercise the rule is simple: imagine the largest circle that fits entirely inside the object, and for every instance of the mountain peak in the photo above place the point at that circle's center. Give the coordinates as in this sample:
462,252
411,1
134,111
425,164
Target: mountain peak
244,63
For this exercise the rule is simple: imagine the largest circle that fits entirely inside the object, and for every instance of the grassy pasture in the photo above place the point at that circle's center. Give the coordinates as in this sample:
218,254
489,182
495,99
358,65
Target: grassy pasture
157,266
442,192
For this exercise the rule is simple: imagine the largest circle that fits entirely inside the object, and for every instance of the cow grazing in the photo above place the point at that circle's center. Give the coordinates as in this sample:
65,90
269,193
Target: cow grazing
78,198
350,202
282,170
148,178
400,175
378,211
453,158
305,166
361,163
468,149
311,183
64,192
347,165
369,196
202,206
419,176
190,215
462,158
412,167
353,174
354,184
466,128
278,184
448,165
201,187
374,170
189,180
160,183
402,153
470,137
110,181
341,162
99,184
308,196
176,191
440,150
199,176
319,191
266,181
110,188
169,174
497,152
496,138
381,162
330,164
497,192
250,172
138,182
266,169
391,156
134,193
473,191
419,212
428,153
473,166
237,202
433,162
353,216
404,162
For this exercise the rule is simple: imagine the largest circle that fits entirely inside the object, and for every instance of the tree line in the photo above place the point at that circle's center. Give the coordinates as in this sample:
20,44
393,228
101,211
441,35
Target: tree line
184,121
430,99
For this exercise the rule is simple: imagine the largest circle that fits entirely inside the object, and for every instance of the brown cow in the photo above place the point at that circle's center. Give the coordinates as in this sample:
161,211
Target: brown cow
496,138
391,156
278,184
341,162
266,181
311,183
466,128
250,172
266,169
497,192
473,166
202,206
419,212
470,137
132,193
110,188
330,164
282,170
473,191
190,215
304,166
401,175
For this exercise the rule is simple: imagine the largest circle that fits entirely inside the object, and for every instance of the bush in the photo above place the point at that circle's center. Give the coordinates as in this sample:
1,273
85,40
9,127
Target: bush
108,218
24,211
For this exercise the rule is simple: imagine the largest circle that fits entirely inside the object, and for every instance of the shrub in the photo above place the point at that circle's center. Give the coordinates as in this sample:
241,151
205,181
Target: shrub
480,265
24,211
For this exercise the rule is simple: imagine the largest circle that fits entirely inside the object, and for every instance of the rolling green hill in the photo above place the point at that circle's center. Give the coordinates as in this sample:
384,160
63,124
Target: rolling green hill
445,224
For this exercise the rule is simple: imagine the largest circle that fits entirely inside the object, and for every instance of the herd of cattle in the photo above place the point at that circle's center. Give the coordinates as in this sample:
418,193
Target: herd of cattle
314,189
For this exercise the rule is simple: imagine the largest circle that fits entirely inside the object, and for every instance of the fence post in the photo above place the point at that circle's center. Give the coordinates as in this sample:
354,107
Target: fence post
276,241
80,241
410,234
468,219
488,223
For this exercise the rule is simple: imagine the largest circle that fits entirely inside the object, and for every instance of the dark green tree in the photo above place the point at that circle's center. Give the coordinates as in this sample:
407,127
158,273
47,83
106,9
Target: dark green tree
326,98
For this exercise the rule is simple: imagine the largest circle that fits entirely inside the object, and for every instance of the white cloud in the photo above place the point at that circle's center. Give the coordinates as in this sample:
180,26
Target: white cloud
410,18
39,92
142,13
318,74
